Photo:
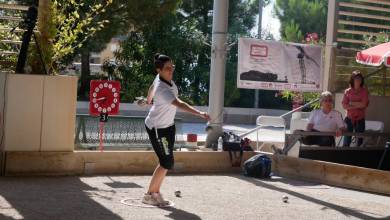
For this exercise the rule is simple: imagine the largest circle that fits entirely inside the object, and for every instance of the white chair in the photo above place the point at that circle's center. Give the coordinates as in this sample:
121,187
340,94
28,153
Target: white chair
270,121
373,126
377,126
299,121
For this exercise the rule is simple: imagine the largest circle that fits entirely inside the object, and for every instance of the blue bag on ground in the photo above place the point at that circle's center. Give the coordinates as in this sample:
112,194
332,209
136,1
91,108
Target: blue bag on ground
258,166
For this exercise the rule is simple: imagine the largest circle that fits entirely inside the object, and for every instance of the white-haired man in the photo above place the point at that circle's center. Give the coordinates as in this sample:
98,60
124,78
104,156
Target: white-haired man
325,119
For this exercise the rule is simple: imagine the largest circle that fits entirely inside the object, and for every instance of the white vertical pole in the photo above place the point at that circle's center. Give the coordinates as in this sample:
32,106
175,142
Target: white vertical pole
217,71
331,32
259,28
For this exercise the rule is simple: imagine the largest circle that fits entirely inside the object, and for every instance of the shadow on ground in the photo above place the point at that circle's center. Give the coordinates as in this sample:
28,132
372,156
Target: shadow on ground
51,198
265,183
58,198
179,214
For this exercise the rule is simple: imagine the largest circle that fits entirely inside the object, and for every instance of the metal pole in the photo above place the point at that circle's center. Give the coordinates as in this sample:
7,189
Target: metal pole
282,116
217,71
383,155
330,55
259,28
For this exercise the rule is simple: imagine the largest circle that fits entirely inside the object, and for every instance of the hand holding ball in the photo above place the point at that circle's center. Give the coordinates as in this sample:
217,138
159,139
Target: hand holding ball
141,101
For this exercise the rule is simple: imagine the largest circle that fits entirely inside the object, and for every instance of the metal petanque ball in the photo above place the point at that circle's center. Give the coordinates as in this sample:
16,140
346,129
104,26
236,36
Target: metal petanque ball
285,199
177,193
141,102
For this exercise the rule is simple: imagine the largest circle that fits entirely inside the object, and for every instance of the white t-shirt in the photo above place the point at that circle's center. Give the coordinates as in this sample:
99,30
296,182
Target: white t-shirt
326,122
162,114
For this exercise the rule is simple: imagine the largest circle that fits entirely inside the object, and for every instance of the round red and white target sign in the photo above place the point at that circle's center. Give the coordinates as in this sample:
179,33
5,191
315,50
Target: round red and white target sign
104,97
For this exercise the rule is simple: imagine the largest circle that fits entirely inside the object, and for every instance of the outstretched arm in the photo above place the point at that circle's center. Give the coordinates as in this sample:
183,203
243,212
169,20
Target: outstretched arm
186,107
149,98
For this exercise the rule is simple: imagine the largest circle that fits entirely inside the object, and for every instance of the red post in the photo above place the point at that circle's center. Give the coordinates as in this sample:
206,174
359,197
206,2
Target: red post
101,130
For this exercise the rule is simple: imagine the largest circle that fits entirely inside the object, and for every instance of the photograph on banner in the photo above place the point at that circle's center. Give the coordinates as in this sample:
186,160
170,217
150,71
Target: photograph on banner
272,65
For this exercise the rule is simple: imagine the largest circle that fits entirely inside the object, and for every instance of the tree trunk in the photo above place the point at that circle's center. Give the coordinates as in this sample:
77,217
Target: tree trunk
85,75
45,26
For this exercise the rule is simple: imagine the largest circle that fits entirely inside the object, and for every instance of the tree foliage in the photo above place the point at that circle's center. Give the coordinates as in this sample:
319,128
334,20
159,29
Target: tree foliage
63,26
300,17
124,17
69,26
185,35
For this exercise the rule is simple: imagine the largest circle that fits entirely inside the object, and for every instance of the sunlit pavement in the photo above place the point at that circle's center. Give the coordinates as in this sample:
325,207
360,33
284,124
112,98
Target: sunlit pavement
203,197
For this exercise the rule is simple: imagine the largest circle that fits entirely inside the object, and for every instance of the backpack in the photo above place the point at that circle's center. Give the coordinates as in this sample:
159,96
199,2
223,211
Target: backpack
235,145
258,166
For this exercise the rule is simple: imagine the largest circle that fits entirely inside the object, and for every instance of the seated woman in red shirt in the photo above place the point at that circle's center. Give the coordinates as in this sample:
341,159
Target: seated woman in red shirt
355,102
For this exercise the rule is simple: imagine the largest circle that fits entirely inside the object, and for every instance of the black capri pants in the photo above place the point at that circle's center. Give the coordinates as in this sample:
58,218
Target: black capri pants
163,140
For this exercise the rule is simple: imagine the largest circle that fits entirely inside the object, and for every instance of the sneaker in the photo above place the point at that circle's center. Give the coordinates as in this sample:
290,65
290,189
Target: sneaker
160,199
150,200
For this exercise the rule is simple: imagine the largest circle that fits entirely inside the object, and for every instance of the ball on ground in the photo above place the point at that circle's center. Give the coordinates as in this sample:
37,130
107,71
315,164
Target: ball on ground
177,193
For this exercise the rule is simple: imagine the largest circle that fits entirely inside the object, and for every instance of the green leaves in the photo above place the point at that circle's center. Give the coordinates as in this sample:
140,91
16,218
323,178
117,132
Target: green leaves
72,26
375,40
292,32
306,96
8,61
300,17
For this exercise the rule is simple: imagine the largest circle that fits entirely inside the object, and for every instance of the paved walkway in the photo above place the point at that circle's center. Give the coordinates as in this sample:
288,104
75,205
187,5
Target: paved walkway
203,197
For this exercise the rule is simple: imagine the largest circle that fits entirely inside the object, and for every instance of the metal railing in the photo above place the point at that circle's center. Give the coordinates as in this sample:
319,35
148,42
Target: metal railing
119,131
282,116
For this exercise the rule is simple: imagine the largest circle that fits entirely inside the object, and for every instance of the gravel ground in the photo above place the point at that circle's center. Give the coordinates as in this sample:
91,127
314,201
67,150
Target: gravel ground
203,197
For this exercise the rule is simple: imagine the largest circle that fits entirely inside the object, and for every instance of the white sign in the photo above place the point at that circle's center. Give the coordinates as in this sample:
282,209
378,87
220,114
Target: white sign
272,65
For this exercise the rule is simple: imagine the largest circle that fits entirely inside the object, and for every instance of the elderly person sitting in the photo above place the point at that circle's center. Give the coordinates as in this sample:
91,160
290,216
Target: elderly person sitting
324,120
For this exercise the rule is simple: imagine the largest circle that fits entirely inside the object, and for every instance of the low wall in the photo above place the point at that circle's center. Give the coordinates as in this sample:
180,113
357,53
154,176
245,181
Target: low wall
136,163
346,176
231,115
